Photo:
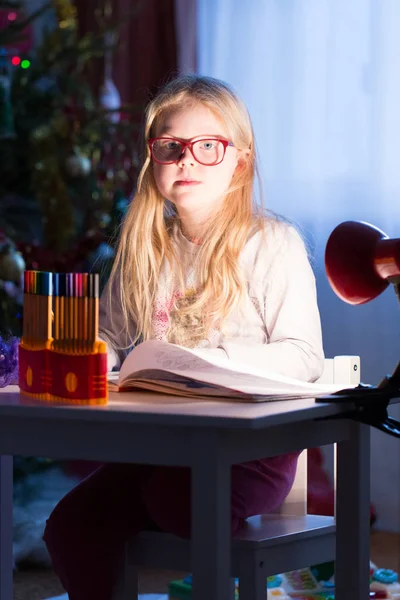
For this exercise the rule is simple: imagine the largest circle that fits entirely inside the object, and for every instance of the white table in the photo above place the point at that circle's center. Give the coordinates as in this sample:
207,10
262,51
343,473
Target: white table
209,437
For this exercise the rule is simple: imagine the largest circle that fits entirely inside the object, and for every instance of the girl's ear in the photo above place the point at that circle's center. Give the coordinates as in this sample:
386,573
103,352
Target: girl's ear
242,159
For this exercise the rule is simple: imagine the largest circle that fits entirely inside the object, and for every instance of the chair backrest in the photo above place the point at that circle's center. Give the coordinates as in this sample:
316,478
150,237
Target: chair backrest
341,370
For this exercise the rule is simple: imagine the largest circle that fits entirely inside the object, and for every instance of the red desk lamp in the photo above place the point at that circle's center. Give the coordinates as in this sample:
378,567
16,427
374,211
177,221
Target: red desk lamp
361,261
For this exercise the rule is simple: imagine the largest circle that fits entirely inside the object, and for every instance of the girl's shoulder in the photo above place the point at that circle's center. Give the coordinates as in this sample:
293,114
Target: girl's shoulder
271,235
275,246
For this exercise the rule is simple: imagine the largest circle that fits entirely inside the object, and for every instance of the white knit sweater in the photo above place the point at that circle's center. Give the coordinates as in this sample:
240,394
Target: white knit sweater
279,329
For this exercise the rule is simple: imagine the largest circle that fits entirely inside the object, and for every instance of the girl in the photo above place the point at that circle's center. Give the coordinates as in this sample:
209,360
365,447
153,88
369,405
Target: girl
198,265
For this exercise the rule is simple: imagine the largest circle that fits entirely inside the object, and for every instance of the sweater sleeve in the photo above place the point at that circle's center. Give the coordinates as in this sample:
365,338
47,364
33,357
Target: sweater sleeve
112,329
286,294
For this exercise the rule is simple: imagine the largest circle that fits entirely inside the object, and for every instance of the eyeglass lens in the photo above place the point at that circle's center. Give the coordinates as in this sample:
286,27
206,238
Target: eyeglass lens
205,151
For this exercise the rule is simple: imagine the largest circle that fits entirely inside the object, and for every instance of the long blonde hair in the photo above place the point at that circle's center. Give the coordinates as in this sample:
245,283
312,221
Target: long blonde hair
145,238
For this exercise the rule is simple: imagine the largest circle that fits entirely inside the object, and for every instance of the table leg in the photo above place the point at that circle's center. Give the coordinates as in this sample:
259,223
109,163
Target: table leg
6,530
352,513
211,519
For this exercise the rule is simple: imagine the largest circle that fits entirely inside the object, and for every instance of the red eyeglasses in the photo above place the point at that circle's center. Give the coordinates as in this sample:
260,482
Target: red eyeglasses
206,151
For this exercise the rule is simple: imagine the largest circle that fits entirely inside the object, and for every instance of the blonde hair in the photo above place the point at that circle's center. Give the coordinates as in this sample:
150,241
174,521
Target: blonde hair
145,238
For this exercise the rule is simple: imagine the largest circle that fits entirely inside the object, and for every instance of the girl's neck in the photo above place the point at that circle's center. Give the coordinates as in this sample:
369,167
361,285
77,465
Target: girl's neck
194,224
191,229
190,237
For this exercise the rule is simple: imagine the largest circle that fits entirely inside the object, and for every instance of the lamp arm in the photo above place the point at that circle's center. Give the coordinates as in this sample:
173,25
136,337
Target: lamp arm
391,383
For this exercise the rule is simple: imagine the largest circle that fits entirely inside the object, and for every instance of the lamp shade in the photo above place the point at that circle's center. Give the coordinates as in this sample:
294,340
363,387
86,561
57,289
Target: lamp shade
361,261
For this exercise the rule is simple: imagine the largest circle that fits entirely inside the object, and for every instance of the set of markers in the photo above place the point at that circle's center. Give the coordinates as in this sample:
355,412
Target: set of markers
61,358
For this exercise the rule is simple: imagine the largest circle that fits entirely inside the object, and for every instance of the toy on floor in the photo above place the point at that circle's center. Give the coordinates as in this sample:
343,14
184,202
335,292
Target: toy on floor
384,583
314,583
61,358
182,590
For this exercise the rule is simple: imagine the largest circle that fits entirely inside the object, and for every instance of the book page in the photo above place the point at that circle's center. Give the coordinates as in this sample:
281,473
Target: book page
161,358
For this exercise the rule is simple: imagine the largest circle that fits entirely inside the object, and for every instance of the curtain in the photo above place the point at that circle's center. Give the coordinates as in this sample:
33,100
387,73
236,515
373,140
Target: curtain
186,35
148,55
322,83
147,52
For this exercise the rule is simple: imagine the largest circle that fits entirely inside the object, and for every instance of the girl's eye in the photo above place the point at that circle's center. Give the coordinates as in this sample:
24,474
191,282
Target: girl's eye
208,145
171,145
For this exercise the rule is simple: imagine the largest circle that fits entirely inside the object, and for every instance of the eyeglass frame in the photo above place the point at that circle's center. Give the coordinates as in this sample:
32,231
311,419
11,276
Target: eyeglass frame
189,145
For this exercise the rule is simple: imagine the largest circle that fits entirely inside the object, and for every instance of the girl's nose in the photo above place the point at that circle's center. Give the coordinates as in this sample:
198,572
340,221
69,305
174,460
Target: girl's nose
186,158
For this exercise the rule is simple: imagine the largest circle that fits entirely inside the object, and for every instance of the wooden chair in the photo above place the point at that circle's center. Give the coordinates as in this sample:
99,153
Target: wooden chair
279,542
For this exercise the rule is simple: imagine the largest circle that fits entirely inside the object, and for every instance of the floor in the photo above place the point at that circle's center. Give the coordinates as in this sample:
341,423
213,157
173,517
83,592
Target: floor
41,585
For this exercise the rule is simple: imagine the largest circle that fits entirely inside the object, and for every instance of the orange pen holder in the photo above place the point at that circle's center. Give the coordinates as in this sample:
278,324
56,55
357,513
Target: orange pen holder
64,377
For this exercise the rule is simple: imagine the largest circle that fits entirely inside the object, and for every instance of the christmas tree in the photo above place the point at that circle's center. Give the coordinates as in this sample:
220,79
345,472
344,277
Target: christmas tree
67,160
67,157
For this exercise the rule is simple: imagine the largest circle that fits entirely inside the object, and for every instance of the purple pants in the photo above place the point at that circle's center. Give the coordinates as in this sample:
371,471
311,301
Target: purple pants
86,533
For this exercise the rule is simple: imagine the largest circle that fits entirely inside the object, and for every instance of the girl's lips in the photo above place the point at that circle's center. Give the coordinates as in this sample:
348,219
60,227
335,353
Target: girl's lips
186,182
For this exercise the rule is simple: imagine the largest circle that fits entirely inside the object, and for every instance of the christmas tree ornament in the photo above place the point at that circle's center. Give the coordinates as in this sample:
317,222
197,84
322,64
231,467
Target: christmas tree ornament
102,219
78,165
66,14
110,100
12,265
41,133
11,301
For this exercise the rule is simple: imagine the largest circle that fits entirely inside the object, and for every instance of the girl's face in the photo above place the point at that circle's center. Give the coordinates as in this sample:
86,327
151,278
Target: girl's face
196,190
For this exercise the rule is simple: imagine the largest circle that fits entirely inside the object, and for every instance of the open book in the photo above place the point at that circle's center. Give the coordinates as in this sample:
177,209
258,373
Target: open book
170,369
